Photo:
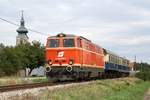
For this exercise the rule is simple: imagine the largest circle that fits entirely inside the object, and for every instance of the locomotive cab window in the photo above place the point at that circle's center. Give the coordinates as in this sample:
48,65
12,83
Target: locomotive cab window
68,43
53,43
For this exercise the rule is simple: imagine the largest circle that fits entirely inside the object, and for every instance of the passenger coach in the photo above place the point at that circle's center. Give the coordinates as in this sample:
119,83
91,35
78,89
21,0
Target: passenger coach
115,66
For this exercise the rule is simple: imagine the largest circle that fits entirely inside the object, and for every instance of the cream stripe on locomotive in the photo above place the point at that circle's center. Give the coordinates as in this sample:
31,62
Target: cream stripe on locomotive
73,48
84,65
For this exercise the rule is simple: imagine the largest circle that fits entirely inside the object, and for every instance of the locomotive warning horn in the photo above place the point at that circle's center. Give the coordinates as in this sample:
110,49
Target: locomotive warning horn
69,68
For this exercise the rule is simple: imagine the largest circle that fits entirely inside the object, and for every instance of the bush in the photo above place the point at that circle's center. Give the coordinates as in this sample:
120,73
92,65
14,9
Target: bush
144,75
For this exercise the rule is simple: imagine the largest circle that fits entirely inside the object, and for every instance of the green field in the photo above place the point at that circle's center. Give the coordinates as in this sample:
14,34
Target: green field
116,89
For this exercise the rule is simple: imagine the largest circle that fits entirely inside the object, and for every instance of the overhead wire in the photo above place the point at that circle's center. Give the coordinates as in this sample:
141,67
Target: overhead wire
9,21
42,33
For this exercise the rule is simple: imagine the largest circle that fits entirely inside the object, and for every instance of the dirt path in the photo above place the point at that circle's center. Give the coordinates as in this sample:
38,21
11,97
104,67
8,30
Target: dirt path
147,95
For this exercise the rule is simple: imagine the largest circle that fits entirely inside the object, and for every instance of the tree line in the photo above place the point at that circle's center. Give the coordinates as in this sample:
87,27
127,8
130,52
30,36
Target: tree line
144,71
15,58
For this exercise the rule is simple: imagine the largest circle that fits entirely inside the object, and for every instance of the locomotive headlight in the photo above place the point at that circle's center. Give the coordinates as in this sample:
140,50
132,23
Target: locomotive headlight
71,61
50,62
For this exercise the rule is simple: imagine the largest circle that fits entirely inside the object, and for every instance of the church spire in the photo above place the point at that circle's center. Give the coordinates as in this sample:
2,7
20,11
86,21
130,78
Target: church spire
22,19
22,28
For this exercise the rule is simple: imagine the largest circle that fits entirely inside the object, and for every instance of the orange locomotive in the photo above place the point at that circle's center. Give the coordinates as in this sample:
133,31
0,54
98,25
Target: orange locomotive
73,57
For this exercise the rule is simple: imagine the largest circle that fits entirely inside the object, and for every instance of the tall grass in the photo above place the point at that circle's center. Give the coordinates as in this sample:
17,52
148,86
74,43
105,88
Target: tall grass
21,80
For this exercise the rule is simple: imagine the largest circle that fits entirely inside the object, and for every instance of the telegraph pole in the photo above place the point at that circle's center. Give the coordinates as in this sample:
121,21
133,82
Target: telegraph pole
135,63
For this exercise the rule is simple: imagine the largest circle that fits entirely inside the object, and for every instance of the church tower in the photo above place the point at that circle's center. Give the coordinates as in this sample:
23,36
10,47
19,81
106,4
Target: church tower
22,37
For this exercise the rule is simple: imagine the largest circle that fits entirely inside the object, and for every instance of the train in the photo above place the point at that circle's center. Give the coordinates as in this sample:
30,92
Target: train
72,57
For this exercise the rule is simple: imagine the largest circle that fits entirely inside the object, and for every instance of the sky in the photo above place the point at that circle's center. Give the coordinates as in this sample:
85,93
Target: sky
122,26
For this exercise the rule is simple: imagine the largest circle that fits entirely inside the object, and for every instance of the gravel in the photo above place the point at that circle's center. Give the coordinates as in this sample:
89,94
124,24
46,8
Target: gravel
147,95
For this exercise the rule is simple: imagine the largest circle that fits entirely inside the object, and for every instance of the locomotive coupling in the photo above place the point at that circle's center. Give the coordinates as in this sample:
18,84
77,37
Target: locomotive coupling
69,68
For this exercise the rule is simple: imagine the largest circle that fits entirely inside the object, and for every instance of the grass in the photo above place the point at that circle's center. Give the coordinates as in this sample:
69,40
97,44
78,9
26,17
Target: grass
116,89
20,80
135,92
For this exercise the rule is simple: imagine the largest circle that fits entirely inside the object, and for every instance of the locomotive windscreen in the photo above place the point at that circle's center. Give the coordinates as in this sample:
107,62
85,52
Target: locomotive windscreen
53,43
68,43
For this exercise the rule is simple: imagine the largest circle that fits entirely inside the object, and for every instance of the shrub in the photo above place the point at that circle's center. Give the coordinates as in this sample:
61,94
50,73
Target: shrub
144,75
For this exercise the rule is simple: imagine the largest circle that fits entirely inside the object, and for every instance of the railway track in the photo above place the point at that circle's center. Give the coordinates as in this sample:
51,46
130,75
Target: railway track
26,86
33,85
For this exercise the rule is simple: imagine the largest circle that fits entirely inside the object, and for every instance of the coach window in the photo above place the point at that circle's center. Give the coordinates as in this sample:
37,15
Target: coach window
68,42
54,43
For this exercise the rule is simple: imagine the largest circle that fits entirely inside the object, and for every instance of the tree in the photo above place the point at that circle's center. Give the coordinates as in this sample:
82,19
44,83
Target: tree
144,69
32,55
1,46
9,61
1,49
142,66
13,59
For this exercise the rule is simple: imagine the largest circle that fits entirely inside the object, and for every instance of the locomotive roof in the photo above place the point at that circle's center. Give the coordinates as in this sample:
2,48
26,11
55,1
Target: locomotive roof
68,35
72,35
62,34
85,38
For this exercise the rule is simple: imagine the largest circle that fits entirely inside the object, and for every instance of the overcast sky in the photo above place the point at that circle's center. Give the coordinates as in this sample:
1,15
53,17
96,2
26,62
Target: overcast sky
122,26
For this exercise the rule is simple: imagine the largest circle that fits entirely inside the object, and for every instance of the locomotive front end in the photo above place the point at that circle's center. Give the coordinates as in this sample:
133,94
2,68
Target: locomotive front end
62,57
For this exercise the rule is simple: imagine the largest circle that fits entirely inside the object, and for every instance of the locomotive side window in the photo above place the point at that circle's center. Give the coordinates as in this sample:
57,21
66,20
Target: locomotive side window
79,42
53,43
68,42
